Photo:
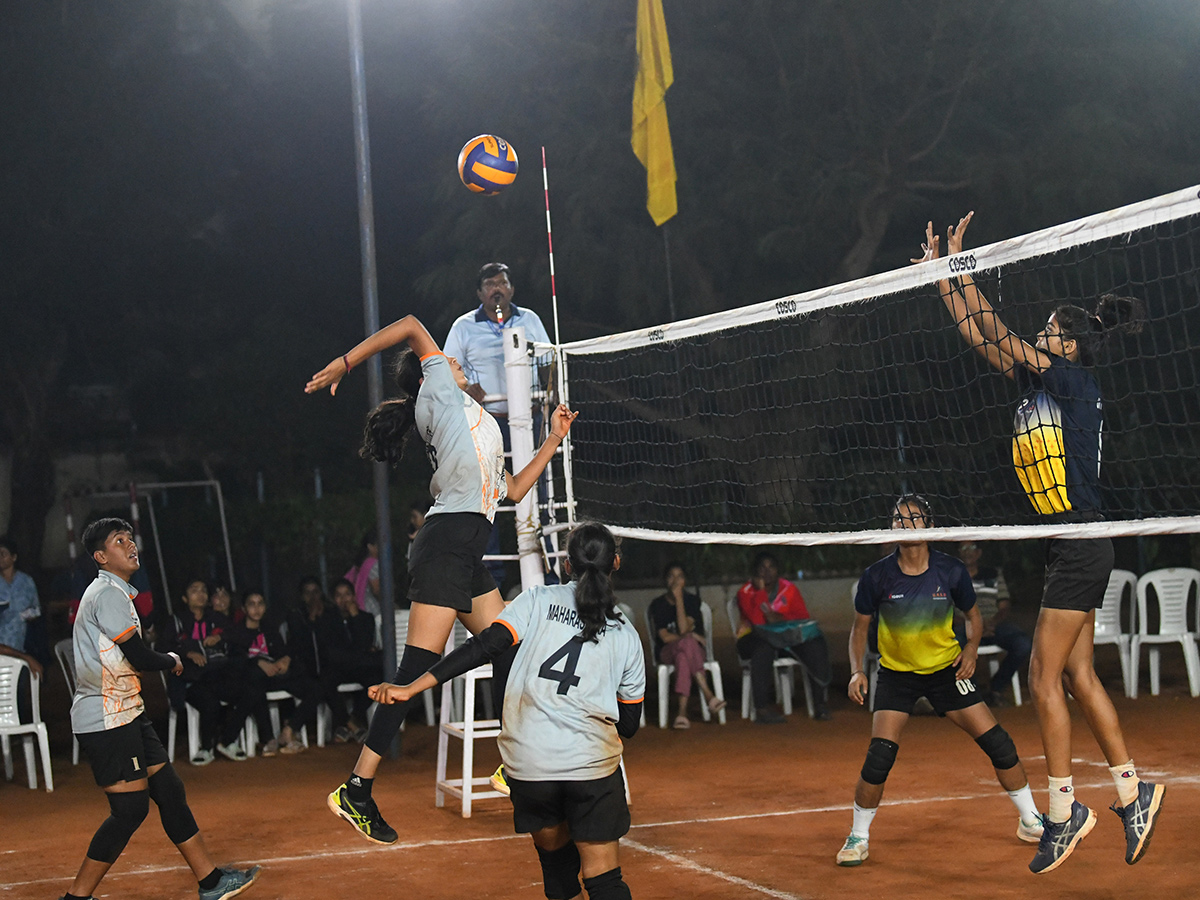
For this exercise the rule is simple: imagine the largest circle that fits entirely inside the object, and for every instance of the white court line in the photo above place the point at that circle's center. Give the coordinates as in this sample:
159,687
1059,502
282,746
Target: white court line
701,820
685,863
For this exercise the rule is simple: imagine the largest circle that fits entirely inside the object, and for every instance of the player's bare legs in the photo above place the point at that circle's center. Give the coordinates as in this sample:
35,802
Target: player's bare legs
1093,699
887,724
1054,639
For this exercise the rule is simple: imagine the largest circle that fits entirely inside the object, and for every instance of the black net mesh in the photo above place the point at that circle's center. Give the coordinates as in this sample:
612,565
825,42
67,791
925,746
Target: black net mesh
816,422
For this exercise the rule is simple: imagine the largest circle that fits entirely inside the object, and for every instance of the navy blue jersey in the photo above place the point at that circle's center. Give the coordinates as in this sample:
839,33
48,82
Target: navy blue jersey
916,612
1057,432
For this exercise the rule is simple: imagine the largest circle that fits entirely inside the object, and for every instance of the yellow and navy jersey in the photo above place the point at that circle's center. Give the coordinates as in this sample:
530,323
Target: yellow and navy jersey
915,613
1057,434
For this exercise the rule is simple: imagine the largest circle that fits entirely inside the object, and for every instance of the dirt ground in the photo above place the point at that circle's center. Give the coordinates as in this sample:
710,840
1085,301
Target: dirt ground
743,810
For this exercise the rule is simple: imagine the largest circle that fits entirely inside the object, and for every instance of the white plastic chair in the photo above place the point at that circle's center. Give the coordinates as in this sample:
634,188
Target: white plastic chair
1171,589
785,671
248,735
664,671
1108,622
64,652
10,722
992,653
468,729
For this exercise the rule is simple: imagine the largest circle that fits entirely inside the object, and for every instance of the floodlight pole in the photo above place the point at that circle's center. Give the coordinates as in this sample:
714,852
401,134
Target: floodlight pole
366,233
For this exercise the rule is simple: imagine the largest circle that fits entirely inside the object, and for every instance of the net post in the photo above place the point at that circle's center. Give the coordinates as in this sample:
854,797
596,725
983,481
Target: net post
518,375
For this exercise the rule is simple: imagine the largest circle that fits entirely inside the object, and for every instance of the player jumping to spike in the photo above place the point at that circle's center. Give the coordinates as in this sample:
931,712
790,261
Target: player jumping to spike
1056,453
449,579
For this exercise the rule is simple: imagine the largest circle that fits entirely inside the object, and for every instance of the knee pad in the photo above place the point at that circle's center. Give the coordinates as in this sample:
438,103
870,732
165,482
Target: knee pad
127,812
881,756
168,793
607,886
560,871
385,723
999,747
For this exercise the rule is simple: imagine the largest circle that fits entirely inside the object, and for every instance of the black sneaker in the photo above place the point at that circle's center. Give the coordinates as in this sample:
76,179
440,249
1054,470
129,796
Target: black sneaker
1059,839
1140,817
364,817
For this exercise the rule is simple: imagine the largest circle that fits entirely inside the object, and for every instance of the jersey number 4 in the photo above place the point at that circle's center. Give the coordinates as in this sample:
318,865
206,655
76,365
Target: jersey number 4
568,654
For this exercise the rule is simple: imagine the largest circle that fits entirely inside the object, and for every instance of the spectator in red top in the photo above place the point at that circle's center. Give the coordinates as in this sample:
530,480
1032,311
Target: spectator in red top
767,598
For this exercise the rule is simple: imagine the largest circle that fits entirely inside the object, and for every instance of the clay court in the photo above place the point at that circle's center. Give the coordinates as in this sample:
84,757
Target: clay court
739,811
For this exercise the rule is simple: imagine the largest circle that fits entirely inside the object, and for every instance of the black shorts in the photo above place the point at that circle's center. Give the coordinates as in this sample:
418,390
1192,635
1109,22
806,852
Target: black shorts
446,565
594,810
1077,573
124,753
900,691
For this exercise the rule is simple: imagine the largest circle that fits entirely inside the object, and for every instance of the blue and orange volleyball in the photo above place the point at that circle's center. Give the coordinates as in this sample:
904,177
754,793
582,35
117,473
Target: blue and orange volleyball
487,164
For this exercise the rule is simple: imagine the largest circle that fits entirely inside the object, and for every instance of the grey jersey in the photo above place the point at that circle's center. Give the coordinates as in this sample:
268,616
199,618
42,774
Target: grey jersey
108,690
560,709
464,443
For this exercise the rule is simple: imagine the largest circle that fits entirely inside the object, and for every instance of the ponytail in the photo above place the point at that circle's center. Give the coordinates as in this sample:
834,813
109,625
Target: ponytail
388,425
592,550
1091,331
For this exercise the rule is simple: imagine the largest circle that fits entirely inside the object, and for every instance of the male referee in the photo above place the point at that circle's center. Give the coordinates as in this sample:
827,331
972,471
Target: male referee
108,717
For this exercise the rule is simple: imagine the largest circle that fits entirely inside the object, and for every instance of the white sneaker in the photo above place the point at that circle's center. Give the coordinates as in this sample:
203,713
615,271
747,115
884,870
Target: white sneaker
853,852
232,751
203,757
1031,834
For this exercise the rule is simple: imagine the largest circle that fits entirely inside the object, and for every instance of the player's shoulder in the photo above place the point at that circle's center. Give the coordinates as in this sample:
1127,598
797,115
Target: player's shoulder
883,568
947,564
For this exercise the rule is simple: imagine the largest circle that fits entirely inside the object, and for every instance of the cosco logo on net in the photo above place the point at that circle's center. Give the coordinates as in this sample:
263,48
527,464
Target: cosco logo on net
963,263
658,334
785,307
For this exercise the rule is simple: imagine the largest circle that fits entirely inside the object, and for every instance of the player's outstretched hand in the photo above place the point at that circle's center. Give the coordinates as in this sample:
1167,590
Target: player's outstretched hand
388,694
954,234
857,688
329,377
560,422
929,249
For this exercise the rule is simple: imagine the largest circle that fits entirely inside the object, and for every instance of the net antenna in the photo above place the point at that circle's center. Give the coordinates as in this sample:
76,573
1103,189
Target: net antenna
801,419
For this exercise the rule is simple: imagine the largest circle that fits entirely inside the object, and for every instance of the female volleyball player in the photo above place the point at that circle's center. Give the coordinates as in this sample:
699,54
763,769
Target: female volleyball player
1056,452
913,593
469,480
575,690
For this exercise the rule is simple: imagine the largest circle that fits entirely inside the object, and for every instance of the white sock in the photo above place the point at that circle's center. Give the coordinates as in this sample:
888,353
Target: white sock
1023,800
1126,779
1062,795
862,821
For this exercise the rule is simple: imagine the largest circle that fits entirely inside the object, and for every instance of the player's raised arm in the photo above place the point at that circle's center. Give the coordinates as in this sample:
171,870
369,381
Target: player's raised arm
407,330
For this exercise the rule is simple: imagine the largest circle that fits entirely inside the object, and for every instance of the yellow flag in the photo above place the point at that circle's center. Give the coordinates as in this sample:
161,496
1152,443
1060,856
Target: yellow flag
651,137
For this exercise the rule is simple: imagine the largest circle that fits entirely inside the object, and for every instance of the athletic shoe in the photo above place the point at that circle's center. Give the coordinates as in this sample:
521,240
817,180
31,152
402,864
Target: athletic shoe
1059,839
360,734
498,781
232,883
270,748
292,747
1140,817
232,751
364,817
1031,834
854,851
203,757
343,735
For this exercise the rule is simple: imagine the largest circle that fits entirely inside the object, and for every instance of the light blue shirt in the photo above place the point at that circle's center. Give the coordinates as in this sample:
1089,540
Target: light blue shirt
478,344
18,605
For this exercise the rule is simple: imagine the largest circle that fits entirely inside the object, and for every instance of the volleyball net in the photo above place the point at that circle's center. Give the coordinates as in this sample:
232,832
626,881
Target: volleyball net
800,420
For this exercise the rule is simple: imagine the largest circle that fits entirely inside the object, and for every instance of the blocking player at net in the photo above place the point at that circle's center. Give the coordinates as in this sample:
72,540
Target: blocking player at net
575,690
448,578
1056,453
913,594
108,717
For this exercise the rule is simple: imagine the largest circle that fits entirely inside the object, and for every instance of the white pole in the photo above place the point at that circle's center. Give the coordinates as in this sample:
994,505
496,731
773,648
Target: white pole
519,376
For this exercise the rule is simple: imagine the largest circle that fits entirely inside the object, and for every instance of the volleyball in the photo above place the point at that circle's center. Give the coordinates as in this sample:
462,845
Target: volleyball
487,164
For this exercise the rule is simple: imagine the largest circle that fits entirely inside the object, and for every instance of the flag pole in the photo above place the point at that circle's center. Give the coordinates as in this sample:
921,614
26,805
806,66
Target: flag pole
670,285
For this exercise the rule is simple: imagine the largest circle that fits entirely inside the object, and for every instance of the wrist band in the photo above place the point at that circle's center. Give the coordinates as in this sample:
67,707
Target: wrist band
346,362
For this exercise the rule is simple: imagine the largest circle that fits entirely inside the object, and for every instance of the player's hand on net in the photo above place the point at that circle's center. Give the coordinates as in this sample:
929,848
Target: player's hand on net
329,377
560,421
929,249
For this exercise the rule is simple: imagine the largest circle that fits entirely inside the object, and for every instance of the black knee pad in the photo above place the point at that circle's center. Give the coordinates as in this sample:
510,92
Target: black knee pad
881,756
128,811
999,747
607,886
560,871
167,791
385,723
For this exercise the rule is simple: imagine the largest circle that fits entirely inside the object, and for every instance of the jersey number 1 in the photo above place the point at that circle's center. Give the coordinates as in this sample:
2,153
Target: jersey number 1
566,677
